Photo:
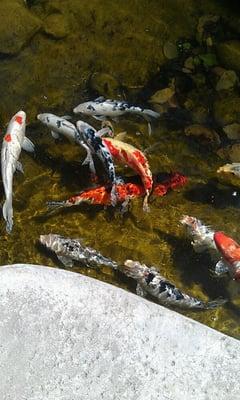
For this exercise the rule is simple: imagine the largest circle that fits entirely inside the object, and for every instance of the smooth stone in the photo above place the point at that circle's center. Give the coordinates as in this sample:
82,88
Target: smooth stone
229,54
17,27
227,81
56,26
226,110
232,131
66,336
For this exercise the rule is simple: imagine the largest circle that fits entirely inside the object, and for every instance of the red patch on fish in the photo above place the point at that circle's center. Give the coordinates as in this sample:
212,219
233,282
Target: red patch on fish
140,157
8,137
18,119
229,249
113,150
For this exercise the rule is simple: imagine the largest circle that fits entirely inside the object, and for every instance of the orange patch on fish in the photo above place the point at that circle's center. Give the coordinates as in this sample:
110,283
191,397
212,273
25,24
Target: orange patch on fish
8,137
18,119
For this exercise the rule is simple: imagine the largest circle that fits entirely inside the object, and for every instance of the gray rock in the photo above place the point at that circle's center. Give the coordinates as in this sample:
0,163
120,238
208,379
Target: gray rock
232,131
68,337
17,26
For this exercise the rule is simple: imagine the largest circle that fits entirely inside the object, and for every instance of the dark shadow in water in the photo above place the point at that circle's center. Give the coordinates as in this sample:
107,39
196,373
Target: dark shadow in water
211,193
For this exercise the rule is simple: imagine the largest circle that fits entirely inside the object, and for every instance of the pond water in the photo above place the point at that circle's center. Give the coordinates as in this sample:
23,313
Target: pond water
47,74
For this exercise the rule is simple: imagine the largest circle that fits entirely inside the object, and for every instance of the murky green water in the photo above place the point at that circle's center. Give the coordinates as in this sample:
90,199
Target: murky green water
55,172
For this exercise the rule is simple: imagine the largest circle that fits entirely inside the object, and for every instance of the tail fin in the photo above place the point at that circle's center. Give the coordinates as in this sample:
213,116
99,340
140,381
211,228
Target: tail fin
149,114
8,214
214,304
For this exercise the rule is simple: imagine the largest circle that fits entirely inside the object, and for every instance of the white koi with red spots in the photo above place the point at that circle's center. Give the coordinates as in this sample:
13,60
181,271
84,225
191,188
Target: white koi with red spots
127,154
13,141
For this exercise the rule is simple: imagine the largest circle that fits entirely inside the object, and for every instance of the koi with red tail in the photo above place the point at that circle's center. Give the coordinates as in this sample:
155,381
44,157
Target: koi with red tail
102,196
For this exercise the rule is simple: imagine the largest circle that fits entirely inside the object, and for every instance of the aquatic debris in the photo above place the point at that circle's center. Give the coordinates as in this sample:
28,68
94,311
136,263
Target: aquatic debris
150,282
68,250
13,141
101,195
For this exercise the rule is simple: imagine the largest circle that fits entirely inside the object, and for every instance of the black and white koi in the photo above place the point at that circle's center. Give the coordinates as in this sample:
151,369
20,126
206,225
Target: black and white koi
69,250
102,109
97,146
61,126
13,141
150,282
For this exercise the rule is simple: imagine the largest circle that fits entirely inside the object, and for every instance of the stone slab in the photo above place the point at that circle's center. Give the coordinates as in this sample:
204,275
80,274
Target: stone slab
64,336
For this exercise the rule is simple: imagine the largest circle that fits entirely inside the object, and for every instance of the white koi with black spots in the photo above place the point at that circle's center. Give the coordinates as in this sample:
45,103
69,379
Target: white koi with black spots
202,236
68,250
97,146
13,141
102,109
150,282
60,126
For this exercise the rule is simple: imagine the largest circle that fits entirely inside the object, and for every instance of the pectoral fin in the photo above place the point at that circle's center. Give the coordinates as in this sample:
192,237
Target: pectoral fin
27,145
101,98
221,268
99,117
120,136
19,167
140,291
67,262
55,135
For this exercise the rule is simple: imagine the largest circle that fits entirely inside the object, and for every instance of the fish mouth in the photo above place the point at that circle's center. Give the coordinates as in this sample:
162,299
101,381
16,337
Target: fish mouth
131,268
77,110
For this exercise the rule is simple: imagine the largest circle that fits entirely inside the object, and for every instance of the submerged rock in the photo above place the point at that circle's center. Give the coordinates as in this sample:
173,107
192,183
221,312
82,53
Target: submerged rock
229,54
17,27
105,84
56,26
204,133
227,110
227,80
162,96
232,131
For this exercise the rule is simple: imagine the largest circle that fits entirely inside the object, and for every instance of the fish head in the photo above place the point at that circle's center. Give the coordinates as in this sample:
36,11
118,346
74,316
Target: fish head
85,108
134,269
190,222
44,118
49,240
229,249
86,130
20,117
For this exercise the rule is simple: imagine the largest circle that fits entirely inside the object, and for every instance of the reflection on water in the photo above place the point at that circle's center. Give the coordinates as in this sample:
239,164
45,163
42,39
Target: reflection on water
200,100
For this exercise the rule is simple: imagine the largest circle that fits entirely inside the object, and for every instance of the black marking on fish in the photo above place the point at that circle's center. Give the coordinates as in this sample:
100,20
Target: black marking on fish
149,278
90,107
48,119
58,123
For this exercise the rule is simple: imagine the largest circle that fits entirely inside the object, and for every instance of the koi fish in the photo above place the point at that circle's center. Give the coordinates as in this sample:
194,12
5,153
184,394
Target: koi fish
97,146
149,281
101,195
61,126
230,252
13,141
127,154
204,239
102,109
69,250
233,168
202,236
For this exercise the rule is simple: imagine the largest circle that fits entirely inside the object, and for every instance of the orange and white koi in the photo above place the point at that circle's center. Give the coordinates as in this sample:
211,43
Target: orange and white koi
230,252
102,196
127,154
13,141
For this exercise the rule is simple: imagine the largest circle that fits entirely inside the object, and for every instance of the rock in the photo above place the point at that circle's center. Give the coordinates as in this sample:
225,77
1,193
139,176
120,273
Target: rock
227,80
162,96
170,50
17,27
230,174
55,25
105,84
229,54
66,336
227,110
205,25
232,131
234,153
205,134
